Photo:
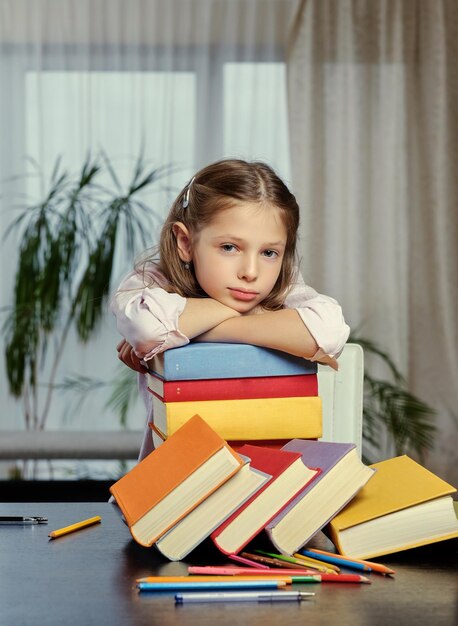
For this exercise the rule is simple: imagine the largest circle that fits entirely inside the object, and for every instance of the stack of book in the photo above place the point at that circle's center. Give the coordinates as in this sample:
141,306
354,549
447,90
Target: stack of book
195,485
245,393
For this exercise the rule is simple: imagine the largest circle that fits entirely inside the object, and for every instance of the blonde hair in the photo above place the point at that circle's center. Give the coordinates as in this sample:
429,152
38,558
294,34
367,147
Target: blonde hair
215,188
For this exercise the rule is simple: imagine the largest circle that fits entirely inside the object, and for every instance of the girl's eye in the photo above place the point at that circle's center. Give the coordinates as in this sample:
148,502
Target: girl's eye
270,254
228,247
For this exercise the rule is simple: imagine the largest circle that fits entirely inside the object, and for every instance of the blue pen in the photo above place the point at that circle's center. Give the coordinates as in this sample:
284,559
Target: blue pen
208,586
335,560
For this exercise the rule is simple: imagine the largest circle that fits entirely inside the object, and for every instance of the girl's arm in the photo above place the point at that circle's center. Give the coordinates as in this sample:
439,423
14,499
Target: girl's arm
281,330
152,320
311,325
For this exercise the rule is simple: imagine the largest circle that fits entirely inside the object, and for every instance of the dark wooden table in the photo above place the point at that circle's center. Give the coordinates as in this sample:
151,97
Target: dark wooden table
88,577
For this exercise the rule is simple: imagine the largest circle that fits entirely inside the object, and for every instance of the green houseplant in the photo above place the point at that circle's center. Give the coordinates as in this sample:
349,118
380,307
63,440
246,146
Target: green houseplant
69,242
390,411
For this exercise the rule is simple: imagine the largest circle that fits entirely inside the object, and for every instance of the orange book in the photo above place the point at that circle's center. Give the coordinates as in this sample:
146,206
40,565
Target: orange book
172,480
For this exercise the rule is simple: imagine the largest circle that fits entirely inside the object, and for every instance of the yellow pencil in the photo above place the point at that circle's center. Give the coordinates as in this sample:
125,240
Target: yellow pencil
311,562
70,529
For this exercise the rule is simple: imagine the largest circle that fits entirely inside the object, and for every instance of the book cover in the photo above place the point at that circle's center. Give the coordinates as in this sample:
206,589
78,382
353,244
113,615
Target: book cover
342,475
248,420
167,484
233,388
196,361
182,538
385,515
289,476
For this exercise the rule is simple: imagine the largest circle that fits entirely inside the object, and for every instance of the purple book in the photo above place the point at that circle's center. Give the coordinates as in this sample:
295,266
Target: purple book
342,476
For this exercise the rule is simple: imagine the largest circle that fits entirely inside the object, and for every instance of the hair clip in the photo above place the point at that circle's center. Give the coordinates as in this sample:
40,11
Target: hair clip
185,202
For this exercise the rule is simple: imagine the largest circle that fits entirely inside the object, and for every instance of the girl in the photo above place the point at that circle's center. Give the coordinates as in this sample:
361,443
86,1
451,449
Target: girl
227,272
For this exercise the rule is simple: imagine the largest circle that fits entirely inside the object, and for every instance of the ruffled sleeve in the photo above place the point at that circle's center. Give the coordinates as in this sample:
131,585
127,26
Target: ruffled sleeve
323,317
147,316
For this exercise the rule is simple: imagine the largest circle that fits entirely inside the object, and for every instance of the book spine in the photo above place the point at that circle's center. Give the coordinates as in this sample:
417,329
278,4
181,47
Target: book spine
211,360
234,388
248,420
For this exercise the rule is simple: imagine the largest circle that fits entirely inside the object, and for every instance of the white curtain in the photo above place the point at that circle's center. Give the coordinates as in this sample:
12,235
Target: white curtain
186,81
374,144
372,158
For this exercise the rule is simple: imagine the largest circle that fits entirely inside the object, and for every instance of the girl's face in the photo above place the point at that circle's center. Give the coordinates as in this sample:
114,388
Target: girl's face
238,257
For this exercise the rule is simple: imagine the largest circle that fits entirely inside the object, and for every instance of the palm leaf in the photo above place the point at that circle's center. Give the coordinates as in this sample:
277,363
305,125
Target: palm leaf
390,408
125,392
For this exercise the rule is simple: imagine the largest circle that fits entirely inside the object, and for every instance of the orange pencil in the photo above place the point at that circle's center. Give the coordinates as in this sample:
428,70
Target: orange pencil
211,578
73,527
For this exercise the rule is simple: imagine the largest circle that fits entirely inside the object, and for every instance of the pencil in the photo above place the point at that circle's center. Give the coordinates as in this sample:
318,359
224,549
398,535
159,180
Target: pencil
214,578
245,561
336,560
301,562
212,585
271,561
315,561
73,527
152,583
375,567
247,571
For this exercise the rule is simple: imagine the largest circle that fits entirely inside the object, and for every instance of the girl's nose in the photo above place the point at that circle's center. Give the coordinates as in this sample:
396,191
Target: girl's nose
248,269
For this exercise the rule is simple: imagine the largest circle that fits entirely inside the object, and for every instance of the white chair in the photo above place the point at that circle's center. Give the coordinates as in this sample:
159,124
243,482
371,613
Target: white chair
342,396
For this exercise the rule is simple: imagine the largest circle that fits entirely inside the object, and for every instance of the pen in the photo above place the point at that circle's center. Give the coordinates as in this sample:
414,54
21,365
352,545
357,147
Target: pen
213,586
336,560
70,529
281,596
23,520
375,567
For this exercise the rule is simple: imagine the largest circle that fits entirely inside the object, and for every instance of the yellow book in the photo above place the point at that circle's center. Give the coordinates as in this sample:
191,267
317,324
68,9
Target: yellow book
403,506
247,420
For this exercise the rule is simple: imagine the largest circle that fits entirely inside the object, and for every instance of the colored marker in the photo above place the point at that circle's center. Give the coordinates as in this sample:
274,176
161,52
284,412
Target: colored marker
78,526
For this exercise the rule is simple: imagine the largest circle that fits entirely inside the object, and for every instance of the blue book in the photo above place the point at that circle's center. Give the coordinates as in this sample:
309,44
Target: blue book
199,361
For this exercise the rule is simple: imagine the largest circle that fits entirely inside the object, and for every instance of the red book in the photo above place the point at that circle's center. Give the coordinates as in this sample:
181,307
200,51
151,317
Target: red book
289,476
233,388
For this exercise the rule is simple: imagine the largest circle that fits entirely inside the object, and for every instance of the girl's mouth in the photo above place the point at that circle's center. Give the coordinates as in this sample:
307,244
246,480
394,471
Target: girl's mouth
246,296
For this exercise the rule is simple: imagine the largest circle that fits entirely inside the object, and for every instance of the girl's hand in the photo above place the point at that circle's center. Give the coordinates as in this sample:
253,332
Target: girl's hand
127,355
